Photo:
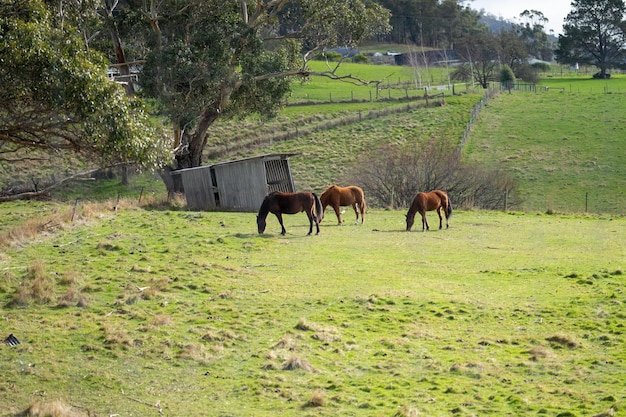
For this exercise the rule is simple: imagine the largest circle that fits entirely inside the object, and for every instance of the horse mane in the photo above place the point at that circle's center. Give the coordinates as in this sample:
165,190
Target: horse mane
265,206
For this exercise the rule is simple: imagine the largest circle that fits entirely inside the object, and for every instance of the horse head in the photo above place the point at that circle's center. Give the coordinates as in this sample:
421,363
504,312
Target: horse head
260,222
409,222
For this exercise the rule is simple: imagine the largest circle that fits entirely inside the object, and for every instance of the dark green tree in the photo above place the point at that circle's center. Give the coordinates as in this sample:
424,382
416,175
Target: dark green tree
57,100
594,33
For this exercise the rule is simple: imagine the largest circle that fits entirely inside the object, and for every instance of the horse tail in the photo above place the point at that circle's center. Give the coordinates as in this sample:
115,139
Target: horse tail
319,211
363,204
449,206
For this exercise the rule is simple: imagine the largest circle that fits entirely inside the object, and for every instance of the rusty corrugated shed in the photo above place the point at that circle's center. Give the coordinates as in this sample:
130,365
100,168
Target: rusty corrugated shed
237,185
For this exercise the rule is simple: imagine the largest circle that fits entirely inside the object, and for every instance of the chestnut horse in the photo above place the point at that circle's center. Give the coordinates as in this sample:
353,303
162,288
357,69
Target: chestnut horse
423,202
344,196
290,203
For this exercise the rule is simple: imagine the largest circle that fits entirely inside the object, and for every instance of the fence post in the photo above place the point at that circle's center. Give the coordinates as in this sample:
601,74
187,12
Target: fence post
586,201
74,210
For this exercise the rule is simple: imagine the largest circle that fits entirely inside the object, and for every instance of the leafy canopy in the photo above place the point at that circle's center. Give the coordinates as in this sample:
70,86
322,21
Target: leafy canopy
56,97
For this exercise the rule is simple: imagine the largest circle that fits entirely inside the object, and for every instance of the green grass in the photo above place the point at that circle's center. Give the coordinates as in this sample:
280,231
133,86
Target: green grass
586,84
566,149
394,82
502,314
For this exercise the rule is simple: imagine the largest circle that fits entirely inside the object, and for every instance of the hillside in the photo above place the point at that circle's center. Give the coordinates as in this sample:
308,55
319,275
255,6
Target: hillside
564,148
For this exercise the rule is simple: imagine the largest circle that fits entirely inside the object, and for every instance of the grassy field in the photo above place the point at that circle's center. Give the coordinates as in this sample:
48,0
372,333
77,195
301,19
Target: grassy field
153,310
148,311
566,149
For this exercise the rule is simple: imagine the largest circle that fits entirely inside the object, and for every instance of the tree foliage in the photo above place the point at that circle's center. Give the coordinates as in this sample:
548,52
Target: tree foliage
430,22
56,97
594,33
533,35
208,59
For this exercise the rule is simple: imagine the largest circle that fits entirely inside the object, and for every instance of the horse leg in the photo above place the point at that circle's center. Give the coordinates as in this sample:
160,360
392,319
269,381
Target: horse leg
356,211
312,219
440,218
424,221
362,208
337,208
279,216
317,225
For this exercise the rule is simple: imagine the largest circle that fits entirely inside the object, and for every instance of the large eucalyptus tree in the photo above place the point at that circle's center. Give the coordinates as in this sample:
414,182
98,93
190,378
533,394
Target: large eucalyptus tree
207,59
56,102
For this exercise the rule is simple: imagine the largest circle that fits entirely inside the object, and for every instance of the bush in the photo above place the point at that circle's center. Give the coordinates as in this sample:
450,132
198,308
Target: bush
391,177
360,59
527,73
541,67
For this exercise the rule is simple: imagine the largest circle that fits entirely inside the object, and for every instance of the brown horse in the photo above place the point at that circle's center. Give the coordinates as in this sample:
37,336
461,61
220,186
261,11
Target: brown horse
423,202
290,203
344,196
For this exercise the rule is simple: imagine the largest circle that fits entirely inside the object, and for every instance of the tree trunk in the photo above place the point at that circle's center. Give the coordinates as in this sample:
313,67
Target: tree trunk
189,151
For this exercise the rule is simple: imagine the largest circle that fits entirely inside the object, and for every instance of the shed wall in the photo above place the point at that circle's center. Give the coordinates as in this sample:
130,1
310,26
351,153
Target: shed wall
238,185
199,190
241,185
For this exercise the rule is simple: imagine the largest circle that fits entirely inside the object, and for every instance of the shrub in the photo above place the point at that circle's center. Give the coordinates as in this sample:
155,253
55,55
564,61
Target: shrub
391,177
360,59
527,73
541,67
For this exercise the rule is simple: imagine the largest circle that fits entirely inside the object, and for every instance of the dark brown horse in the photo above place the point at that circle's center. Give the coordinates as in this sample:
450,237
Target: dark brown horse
423,202
344,196
290,203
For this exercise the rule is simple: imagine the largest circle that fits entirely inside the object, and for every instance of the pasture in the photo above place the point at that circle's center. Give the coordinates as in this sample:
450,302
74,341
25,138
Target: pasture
151,310
565,149
154,311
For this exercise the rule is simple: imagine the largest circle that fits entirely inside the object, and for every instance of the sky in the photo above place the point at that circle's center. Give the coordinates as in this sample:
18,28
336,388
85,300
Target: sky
554,10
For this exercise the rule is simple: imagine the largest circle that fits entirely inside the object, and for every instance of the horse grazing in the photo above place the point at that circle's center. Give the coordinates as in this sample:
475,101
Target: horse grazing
290,203
423,202
344,196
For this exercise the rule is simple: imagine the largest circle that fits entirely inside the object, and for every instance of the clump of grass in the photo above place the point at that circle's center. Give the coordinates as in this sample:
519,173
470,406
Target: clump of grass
55,408
539,352
287,342
28,230
303,324
37,287
161,320
73,296
406,412
116,337
318,399
295,362
563,340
